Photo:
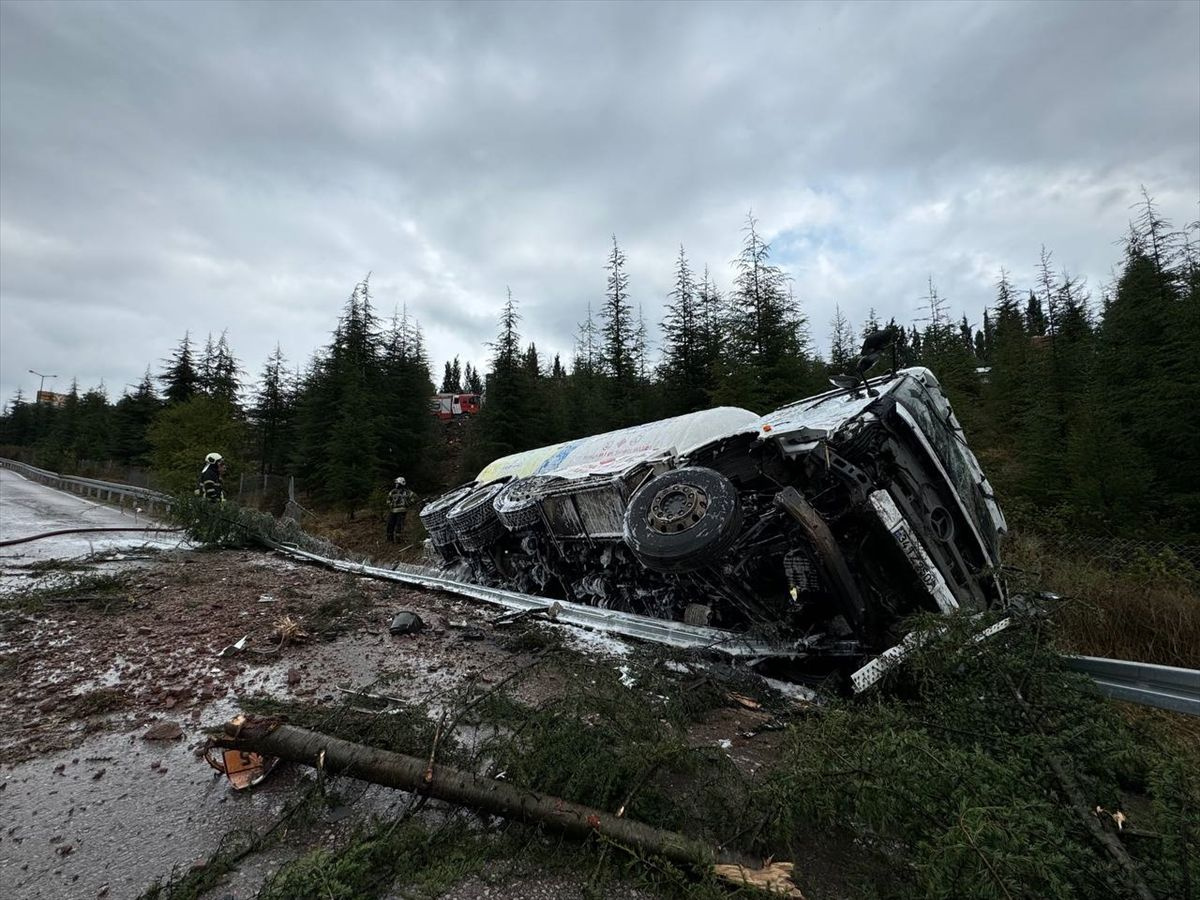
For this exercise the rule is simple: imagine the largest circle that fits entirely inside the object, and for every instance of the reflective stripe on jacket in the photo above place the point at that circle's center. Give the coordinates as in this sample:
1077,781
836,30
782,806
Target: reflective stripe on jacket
210,482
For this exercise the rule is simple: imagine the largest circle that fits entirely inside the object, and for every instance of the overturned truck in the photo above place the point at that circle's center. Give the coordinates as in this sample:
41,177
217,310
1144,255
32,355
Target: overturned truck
819,527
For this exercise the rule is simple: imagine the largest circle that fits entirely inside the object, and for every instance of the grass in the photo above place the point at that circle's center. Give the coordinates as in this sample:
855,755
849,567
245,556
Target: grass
102,592
1145,607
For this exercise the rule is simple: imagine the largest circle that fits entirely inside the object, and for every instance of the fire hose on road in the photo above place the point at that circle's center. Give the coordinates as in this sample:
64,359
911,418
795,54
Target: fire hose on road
49,534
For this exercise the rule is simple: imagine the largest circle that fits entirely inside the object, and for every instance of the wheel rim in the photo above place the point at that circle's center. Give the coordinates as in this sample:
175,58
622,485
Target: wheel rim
677,508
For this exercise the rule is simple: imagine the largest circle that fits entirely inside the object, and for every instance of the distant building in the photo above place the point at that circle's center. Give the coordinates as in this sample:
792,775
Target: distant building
51,399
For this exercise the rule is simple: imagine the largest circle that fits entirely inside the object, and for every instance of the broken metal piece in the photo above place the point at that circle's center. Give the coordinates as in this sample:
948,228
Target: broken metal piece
234,648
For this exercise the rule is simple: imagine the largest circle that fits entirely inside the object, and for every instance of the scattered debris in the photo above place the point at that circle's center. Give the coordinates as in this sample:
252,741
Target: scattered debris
267,598
549,614
744,701
288,631
234,648
1118,817
242,768
406,623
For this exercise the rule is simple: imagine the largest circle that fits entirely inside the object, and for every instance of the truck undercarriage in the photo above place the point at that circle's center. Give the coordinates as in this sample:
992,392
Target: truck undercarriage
818,528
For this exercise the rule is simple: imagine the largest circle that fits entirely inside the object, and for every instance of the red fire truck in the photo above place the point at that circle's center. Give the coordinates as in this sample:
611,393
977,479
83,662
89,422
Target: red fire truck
451,406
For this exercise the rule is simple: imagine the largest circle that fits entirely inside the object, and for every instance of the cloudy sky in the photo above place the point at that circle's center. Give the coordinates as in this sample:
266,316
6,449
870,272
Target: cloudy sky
197,167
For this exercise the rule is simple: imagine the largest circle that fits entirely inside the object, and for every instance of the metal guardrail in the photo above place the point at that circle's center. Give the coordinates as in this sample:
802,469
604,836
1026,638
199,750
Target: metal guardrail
660,631
147,500
1164,687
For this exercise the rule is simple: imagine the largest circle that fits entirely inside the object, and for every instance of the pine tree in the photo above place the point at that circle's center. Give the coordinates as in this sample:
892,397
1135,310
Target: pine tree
339,410
205,366
504,423
618,341
452,377
180,379
403,386
766,363
16,423
842,351
224,374
871,325
94,439
60,441
1146,353
1048,282
952,361
964,332
272,413
586,383
133,415
683,370
472,381
1006,394
1035,317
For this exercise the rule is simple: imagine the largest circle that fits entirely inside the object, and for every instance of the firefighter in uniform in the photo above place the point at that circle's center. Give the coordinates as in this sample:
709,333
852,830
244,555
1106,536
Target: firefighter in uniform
210,478
398,499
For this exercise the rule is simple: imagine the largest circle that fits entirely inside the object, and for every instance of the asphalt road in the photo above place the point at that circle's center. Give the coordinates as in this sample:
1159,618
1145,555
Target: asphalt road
28,508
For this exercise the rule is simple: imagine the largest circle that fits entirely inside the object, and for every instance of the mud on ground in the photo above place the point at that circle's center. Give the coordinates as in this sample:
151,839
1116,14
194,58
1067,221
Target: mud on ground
89,671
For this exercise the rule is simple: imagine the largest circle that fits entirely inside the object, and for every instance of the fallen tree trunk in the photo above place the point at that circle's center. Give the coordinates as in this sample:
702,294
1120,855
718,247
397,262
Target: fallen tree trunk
408,773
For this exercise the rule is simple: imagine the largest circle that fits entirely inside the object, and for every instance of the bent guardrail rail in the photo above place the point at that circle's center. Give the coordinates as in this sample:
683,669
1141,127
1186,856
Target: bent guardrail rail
149,501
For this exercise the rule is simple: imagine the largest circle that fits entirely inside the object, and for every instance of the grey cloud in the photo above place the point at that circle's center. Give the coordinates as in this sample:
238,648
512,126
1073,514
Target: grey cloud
166,167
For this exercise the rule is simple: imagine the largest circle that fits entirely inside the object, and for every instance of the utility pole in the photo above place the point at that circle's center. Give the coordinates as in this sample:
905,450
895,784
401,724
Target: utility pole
43,377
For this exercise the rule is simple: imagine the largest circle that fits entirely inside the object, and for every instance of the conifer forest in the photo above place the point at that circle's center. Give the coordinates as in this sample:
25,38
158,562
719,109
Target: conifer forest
1079,399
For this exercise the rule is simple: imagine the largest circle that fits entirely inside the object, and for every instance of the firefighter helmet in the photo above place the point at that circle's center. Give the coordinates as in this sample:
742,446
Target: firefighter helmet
213,458
400,481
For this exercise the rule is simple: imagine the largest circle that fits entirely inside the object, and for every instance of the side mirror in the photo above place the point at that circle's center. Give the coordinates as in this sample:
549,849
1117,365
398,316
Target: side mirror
866,362
845,382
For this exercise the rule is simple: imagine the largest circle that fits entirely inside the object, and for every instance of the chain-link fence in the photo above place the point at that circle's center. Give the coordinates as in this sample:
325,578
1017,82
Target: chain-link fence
1121,551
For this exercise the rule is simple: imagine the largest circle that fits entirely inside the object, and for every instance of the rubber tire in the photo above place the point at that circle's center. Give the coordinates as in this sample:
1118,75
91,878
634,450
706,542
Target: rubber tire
474,517
701,545
433,514
521,517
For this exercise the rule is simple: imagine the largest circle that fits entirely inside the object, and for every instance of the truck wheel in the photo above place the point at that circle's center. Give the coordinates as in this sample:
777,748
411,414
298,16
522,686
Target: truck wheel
433,514
683,520
433,517
517,503
474,518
